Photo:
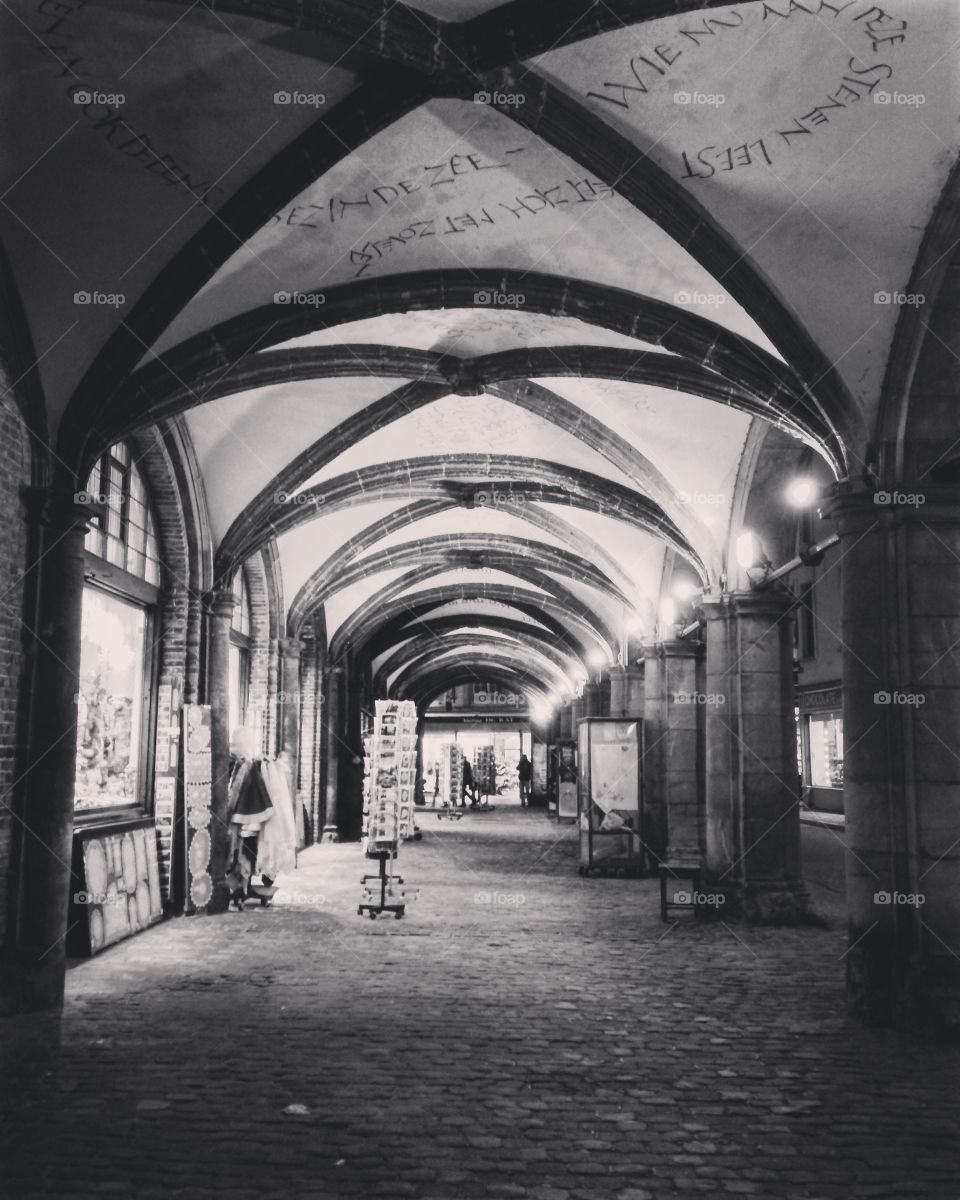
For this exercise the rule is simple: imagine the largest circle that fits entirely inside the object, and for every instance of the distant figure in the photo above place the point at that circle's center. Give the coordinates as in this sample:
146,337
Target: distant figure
467,785
524,774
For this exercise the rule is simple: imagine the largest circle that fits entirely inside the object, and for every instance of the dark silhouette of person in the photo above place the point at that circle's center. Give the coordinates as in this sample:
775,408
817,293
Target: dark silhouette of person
525,775
467,785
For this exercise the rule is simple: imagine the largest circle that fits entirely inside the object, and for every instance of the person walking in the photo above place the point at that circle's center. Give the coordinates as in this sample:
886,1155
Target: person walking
468,785
525,775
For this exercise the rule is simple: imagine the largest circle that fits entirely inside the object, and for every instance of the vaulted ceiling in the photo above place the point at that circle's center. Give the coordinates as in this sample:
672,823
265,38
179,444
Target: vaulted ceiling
475,309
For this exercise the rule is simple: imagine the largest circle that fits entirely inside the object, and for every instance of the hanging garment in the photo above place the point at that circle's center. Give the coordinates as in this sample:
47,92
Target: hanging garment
278,841
253,806
249,810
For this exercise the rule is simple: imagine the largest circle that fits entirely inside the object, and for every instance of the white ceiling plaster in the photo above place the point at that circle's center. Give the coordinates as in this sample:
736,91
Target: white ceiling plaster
268,427
467,332
460,185
486,519
779,136
472,425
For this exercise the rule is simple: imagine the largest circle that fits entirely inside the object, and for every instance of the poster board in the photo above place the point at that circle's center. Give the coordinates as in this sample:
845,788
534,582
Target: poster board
610,812
116,885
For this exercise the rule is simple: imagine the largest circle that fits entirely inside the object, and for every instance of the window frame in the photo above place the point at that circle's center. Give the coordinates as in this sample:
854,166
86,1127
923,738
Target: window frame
242,642
143,804
102,574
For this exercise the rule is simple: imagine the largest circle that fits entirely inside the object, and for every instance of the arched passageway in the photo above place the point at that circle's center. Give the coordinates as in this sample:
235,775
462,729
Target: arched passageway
435,353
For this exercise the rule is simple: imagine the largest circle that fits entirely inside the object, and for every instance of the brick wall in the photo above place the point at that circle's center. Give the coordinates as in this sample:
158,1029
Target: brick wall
14,472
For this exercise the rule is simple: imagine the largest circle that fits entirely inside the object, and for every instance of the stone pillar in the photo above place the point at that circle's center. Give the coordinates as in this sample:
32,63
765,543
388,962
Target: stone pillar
901,715
626,691
308,729
682,748
752,780
220,605
591,701
333,688
289,703
654,759
566,729
32,975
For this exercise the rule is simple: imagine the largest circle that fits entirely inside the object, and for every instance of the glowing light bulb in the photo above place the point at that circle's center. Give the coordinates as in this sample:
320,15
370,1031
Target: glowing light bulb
747,550
801,492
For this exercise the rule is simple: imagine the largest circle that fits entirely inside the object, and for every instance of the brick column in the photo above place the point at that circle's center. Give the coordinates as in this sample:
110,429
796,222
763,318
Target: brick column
308,729
752,780
31,977
333,689
289,720
220,605
901,715
684,707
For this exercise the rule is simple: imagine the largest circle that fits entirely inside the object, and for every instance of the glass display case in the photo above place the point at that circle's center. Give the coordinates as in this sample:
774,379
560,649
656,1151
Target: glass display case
610,813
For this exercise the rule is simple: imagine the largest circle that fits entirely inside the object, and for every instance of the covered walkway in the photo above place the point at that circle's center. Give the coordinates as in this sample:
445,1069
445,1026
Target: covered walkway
523,1032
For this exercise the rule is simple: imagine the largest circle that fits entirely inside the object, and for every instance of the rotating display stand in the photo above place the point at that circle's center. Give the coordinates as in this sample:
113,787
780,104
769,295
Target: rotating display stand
390,765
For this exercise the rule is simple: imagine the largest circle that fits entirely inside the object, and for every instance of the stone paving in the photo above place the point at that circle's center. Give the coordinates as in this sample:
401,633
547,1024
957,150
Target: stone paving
522,1032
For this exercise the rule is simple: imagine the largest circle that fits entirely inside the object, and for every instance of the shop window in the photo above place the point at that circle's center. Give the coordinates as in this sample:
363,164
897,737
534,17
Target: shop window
239,681
826,750
116,685
824,766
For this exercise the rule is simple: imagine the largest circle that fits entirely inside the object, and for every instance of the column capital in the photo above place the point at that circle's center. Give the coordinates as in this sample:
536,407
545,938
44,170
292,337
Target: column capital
671,648
772,602
221,601
857,504
289,647
56,506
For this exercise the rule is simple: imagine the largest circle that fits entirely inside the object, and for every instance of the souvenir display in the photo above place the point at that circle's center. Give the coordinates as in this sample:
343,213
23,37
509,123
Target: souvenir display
389,777
451,775
197,789
485,771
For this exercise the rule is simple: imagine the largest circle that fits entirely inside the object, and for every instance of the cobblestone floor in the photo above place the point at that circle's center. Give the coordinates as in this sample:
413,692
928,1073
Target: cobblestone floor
523,1032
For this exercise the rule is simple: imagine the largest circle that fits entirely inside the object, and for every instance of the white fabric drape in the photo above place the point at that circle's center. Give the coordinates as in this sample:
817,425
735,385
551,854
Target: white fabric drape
278,841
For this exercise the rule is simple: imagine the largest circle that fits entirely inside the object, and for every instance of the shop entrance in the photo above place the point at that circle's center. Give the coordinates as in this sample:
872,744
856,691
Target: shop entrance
493,752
